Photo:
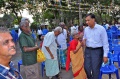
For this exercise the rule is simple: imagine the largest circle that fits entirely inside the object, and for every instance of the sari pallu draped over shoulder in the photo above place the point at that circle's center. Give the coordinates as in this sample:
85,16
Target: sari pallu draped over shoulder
76,59
72,47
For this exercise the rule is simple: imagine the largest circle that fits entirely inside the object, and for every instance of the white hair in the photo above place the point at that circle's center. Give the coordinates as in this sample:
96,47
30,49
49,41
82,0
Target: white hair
24,19
74,32
22,23
58,29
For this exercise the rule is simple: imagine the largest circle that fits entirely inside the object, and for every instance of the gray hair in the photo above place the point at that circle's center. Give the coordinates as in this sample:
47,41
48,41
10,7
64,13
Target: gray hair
24,19
23,22
58,29
4,29
74,32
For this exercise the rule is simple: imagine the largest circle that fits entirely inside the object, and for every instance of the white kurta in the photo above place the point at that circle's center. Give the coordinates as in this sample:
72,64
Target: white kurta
49,41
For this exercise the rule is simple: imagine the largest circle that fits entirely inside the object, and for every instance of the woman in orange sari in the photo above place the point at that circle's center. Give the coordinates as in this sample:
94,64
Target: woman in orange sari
75,56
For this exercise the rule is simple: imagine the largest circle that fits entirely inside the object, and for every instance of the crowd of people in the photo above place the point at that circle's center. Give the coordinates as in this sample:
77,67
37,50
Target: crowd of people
85,51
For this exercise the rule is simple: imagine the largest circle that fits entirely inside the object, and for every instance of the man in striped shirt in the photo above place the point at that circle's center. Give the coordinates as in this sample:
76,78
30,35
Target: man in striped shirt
7,50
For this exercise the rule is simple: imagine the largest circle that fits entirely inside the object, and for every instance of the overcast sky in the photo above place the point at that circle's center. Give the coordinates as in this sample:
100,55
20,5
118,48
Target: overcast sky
24,14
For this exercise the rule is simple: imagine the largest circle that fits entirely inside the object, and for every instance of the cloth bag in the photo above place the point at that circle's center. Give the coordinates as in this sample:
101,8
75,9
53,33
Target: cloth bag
40,56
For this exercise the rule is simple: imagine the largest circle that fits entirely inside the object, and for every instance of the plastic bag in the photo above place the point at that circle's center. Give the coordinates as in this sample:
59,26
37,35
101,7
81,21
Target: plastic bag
40,56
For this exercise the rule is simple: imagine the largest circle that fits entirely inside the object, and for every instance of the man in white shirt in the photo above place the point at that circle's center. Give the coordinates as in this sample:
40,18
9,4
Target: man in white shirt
97,47
50,50
39,32
74,28
62,42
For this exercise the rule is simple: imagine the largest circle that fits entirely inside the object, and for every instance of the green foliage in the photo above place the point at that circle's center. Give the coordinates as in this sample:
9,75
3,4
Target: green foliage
8,19
37,18
16,21
15,6
117,2
2,3
34,25
104,2
48,14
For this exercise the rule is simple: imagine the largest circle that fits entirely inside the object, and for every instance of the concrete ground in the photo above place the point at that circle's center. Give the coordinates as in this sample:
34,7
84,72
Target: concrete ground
63,73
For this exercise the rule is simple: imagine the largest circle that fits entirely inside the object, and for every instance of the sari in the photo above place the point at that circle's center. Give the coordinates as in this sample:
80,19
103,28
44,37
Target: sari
76,59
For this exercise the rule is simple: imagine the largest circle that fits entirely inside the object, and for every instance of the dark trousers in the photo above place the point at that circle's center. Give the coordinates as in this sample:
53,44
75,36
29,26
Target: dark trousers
92,62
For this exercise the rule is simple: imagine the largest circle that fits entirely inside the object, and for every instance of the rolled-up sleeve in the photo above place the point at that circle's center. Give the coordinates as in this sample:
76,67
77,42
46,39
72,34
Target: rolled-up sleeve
104,39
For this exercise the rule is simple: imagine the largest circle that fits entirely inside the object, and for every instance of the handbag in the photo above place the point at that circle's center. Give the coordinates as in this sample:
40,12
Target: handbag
40,56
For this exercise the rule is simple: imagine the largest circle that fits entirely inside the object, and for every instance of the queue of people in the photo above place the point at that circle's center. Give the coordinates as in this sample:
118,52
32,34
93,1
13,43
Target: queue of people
86,51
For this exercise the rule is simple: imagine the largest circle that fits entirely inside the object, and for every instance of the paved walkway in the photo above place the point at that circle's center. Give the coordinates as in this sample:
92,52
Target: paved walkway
63,73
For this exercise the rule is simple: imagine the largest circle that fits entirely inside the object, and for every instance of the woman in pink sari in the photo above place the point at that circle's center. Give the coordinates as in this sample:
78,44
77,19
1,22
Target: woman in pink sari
75,56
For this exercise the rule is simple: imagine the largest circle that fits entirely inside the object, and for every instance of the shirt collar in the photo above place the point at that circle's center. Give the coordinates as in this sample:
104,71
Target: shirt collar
5,67
95,27
4,70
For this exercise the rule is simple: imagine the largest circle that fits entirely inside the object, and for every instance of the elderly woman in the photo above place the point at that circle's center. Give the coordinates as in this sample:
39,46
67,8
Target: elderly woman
75,56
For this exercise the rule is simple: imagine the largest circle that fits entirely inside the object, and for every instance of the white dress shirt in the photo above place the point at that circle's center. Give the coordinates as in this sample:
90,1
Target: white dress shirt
39,32
97,37
49,41
74,28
